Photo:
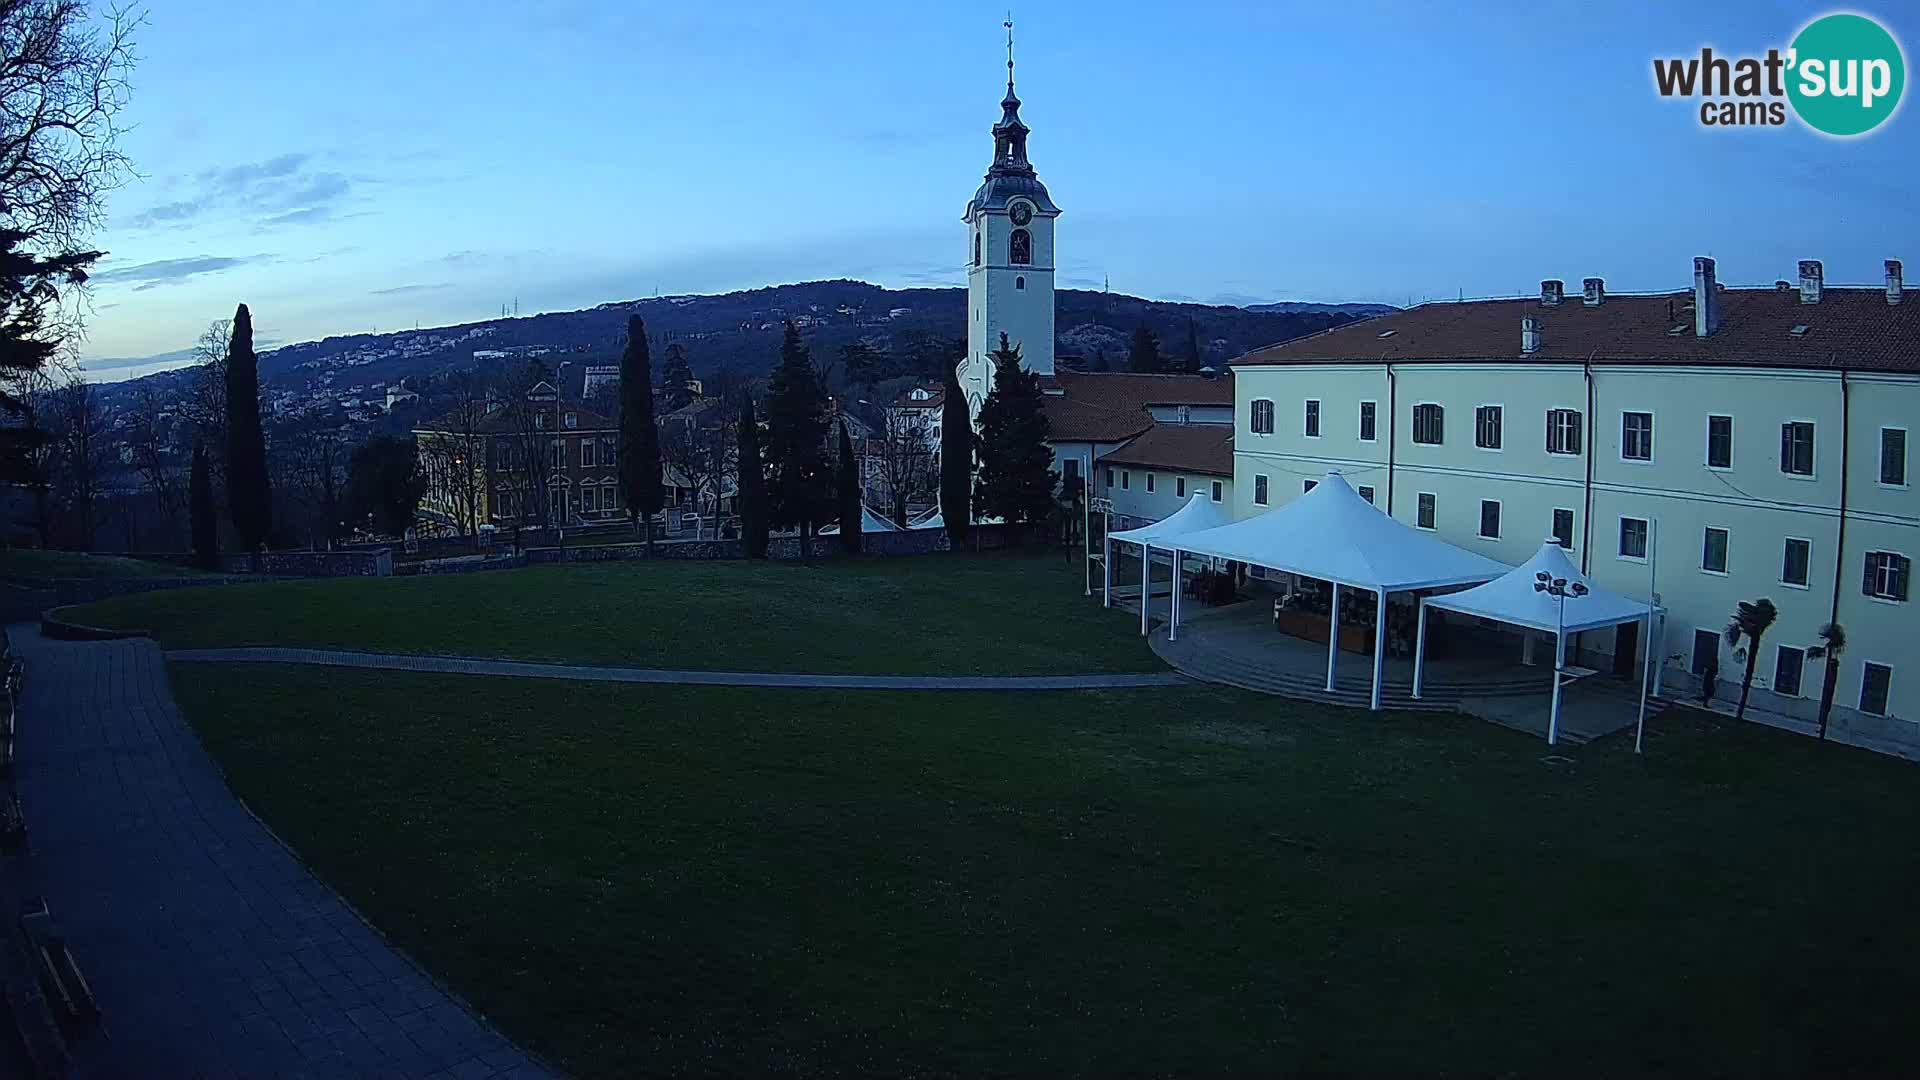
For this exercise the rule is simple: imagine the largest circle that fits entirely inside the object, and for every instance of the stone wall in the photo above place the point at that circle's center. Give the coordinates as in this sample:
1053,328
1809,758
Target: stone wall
83,590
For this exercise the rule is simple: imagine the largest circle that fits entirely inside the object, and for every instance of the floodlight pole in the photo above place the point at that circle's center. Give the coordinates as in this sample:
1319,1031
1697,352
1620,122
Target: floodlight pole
1106,570
1333,633
1173,606
1559,665
1420,648
1146,583
1647,675
1379,647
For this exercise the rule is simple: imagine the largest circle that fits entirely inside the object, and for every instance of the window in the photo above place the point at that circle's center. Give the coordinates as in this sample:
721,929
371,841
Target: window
1109,476
1179,487
1796,448
586,453
1788,664
1633,538
1070,470
1794,562
1636,436
1259,491
1486,427
1020,248
609,497
1423,516
1366,492
540,421
1126,478
1563,431
1719,442
1893,456
590,499
1313,419
1149,483
1713,551
1887,574
1367,413
1706,651
1262,416
1489,519
1563,528
1309,486
1875,681
1429,425
558,457
573,420
976,249
1020,283
1216,491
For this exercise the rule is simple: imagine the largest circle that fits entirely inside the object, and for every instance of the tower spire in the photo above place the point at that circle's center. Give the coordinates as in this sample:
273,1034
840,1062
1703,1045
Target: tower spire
1009,25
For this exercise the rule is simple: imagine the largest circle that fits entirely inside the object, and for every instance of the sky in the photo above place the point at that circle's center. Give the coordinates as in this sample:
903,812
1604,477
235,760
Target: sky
349,166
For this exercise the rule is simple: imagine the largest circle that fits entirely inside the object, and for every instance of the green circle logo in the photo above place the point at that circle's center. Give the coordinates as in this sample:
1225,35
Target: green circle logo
1845,74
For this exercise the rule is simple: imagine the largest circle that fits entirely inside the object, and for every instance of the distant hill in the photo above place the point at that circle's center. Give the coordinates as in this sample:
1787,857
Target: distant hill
1361,311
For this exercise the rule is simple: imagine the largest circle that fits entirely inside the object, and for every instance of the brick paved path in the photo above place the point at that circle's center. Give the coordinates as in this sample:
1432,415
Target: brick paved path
458,665
212,950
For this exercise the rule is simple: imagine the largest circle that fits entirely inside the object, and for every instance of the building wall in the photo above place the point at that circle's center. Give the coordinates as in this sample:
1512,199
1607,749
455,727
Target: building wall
1759,505
996,303
1133,502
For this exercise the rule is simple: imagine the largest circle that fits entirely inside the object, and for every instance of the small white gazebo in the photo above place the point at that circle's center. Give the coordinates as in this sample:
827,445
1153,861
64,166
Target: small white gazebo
1200,513
1333,534
870,522
1547,593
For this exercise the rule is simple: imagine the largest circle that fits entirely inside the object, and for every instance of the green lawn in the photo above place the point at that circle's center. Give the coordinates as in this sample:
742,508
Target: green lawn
636,879
986,614
34,563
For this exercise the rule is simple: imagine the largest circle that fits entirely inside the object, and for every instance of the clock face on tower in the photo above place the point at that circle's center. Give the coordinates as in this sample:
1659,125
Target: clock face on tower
1022,213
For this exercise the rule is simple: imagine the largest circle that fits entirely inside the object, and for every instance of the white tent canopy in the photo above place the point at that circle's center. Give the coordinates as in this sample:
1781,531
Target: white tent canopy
935,520
870,522
1549,594
1199,514
1512,598
1333,534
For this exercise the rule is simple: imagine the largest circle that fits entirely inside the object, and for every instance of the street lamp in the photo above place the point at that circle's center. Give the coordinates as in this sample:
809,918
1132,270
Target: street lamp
1559,589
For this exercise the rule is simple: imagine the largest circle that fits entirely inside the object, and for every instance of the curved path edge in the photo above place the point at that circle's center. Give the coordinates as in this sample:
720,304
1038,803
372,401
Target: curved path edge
526,669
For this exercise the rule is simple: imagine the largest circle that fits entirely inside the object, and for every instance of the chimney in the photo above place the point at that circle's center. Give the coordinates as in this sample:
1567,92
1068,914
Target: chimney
1706,298
1895,287
1552,291
1593,292
1783,285
1529,334
1812,281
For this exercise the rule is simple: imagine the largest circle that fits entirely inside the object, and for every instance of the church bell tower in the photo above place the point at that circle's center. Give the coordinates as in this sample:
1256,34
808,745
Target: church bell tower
1009,257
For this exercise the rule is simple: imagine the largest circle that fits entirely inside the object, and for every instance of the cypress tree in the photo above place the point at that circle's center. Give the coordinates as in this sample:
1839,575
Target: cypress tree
249,497
751,490
956,459
796,442
1144,356
206,526
676,378
1016,466
852,521
1192,360
639,437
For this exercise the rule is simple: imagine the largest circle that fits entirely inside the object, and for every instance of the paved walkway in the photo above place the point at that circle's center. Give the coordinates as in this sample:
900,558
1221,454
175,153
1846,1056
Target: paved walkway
212,950
458,665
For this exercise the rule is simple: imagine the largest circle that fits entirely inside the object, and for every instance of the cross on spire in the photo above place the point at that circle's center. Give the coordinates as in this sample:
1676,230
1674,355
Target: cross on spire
1009,25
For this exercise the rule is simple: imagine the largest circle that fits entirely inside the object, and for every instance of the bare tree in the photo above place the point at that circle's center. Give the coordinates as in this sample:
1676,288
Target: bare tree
153,455
204,405
314,453
900,459
80,442
701,452
531,449
454,454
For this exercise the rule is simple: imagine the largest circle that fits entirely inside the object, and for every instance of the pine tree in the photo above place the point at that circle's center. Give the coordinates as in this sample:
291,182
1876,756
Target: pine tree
1016,465
796,442
1191,362
852,520
206,525
639,437
751,490
676,378
249,496
1145,354
956,459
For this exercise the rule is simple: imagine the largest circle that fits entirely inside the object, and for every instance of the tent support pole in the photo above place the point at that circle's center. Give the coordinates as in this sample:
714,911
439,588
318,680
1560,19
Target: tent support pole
1173,606
1146,585
1419,648
1646,678
1559,666
1660,654
1333,633
1379,646
1106,572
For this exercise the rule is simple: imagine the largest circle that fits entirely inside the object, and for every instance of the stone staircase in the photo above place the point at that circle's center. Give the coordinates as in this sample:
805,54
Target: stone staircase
1353,682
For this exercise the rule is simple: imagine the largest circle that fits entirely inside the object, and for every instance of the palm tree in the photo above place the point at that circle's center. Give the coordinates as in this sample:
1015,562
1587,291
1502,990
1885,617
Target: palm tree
1833,642
1750,621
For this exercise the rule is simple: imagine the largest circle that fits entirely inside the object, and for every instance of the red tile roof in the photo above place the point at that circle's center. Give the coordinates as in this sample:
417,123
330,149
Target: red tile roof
505,421
1850,328
1112,406
1196,448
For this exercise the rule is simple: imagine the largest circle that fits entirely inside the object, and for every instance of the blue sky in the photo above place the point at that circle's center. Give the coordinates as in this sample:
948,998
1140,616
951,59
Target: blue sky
349,166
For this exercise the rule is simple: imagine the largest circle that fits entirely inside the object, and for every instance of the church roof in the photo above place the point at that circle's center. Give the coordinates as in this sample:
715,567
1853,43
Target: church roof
997,191
1196,448
1112,406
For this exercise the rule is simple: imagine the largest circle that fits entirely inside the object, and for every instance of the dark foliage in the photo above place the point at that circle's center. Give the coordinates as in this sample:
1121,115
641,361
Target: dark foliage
639,436
676,377
1750,621
384,484
956,460
799,482
249,496
753,483
1016,465
852,521
205,520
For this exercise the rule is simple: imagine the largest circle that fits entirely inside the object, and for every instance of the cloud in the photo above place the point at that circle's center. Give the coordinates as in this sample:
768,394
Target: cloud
282,190
152,275
397,289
